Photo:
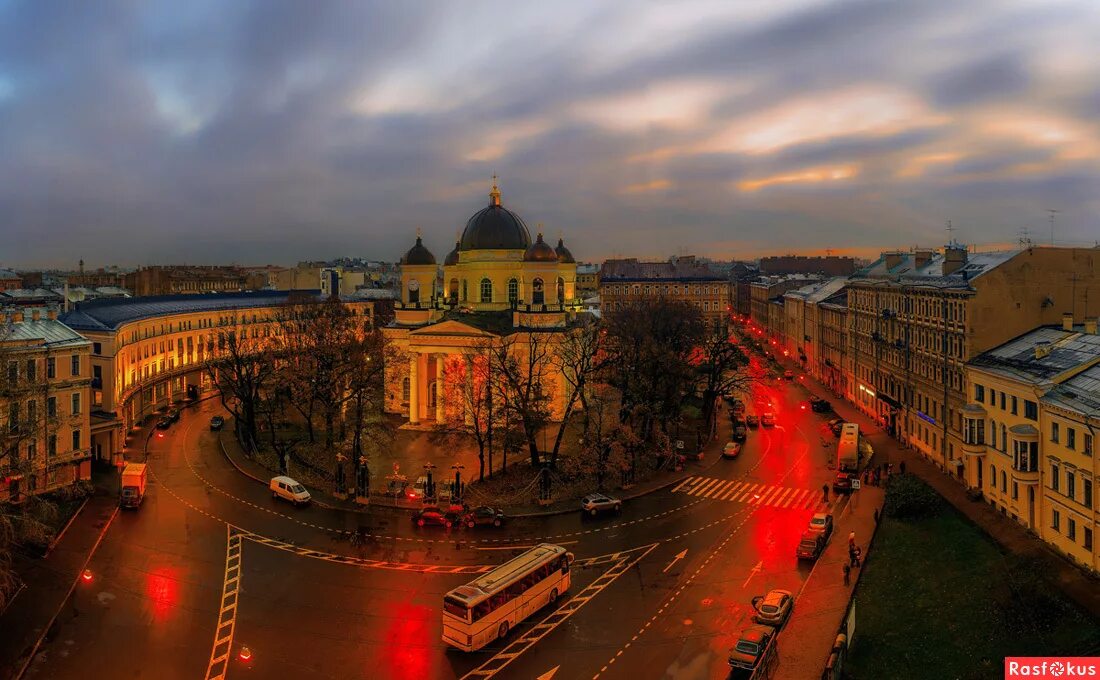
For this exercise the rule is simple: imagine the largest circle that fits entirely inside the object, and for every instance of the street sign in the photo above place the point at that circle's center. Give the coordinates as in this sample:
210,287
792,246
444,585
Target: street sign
855,485
679,443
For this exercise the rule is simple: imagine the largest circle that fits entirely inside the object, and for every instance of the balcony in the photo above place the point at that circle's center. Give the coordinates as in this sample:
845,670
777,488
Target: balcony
1030,477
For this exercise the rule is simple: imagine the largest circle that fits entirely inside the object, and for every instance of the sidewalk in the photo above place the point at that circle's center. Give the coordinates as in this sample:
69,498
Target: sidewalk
1075,583
49,581
807,640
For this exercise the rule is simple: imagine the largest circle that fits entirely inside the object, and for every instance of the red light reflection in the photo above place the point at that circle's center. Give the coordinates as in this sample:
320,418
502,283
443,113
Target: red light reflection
408,643
162,589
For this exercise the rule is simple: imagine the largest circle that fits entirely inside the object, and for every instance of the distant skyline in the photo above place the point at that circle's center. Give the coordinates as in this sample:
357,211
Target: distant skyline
272,132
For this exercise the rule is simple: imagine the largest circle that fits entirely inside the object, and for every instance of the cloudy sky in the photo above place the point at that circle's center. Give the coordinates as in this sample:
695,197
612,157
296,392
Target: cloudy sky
268,131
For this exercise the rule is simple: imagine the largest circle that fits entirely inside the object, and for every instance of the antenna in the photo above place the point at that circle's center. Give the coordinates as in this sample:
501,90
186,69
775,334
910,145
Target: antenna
1024,238
950,233
1052,212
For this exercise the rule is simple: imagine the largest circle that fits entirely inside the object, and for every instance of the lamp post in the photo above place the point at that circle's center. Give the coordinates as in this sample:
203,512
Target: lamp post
340,492
362,482
456,488
429,486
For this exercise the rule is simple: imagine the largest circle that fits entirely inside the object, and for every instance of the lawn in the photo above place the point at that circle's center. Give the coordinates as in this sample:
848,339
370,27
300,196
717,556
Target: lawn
939,600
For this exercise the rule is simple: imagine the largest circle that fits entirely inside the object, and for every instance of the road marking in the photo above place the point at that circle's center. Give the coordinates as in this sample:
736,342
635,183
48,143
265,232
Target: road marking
227,615
679,556
753,572
686,482
532,636
548,674
520,547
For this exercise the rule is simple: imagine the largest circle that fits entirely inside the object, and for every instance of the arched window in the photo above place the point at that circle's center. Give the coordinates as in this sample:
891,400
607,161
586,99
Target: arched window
433,391
414,291
486,290
1004,438
453,292
561,290
513,290
405,389
538,297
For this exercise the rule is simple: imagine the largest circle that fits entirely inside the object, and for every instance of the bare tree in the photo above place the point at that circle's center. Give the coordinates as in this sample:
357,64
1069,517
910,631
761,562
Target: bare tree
241,369
719,366
471,382
580,355
521,365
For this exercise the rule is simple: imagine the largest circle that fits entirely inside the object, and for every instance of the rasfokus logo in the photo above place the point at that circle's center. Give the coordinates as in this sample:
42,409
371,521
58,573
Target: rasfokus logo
1041,667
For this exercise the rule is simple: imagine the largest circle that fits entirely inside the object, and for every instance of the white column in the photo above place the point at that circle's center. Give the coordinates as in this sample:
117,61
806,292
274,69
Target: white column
414,389
440,361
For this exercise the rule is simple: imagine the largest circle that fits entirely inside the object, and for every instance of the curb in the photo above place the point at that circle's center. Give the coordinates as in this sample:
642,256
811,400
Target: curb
53,619
57,538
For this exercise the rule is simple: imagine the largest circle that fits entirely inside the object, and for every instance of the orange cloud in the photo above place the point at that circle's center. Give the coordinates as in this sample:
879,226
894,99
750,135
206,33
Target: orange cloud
807,176
643,187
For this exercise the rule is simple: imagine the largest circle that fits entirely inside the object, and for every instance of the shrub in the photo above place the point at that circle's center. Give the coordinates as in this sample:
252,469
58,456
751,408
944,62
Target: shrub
907,497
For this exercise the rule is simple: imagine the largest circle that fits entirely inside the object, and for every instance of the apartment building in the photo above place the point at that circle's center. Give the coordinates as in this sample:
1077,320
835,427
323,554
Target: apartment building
627,282
190,280
44,405
1028,433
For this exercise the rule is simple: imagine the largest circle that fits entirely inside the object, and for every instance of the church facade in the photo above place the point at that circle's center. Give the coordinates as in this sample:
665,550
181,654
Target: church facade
497,287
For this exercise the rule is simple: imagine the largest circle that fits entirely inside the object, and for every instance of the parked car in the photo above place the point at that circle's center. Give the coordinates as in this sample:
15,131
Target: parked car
164,423
217,422
836,424
768,419
173,414
731,450
788,375
434,516
752,420
485,516
843,482
774,608
810,545
820,405
752,648
740,431
595,503
419,490
738,408
822,523
288,489
396,488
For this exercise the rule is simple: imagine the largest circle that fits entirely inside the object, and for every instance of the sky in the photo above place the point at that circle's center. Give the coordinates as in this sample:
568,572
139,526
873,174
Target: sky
272,132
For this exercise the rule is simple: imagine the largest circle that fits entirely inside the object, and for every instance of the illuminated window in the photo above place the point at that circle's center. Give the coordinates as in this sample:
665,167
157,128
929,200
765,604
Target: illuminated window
486,290
513,290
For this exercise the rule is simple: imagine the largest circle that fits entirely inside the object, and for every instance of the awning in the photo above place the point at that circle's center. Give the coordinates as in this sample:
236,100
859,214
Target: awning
889,400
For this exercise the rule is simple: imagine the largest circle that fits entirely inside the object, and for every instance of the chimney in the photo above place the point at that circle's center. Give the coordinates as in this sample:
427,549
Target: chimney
921,258
1042,349
66,295
954,257
1067,321
892,259
1090,326
36,314
51,313
17,317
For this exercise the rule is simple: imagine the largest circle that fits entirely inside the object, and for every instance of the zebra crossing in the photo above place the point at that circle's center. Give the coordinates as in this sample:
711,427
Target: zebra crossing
752,493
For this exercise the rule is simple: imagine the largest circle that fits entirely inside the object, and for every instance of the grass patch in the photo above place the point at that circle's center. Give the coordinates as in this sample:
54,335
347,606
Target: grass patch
939,600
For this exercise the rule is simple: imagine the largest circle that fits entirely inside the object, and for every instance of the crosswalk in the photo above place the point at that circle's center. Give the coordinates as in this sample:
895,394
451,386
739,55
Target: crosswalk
752,493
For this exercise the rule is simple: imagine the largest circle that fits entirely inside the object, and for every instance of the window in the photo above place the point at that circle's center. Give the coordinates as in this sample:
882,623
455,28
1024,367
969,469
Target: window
51,407
51,445
538,296
979,393
1087,448
1002,401
405,389
76,403
76,440
486,290
31,369
1004,481
1071,438
13,416
1086,493
992,397
1071,484
32,449
1055,520
414,292
561,291
1015,490
1031,410
74,364
32,412
992,477
1054,432
1013,405
1088,538
1054,476
1071,529
513,290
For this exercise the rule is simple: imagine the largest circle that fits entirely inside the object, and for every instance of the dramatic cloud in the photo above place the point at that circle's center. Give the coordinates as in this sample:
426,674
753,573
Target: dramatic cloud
280,130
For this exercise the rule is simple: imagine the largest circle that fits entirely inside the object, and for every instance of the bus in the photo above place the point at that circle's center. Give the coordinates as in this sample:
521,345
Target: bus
847,451
486,608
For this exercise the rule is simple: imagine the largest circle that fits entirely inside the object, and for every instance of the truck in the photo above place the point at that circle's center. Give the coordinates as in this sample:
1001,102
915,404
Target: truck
133,485
847,450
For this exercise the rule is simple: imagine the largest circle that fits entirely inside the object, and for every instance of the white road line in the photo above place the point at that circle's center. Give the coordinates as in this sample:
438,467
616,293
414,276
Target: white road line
703,488
218,666
784,498
689,480
733,490
720,489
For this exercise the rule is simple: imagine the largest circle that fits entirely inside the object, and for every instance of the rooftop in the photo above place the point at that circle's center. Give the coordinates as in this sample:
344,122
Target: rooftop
1061,351
925,267
1080,393
675,269
50,332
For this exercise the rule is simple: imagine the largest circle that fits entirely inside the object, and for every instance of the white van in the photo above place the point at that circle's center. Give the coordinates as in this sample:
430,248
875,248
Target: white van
287,488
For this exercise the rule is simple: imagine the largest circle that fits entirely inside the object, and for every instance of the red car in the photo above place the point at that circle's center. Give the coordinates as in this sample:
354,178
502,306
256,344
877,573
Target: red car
433,516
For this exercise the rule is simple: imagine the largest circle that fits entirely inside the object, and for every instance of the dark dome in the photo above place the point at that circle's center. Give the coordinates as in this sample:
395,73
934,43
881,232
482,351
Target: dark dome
452,257
418,254
563,253
495,228
540,251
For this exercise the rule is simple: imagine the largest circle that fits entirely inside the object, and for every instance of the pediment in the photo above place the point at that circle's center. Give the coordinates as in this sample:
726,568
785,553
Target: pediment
451,328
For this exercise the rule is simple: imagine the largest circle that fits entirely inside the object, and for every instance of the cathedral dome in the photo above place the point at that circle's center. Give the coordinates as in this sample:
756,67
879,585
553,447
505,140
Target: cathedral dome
452,257
418,254
540,251
563,253
495,228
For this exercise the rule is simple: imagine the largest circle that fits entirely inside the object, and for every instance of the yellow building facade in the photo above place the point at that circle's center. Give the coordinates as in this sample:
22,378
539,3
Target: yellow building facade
496,285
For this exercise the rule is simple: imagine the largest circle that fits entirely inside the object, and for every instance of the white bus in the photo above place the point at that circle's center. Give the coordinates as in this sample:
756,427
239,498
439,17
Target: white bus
486,608
847,450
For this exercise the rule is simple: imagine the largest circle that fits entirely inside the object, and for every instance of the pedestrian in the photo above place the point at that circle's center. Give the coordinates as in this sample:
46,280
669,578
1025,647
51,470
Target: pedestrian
824,493
856,554
851,540
847,574
901,467
851,556
876,515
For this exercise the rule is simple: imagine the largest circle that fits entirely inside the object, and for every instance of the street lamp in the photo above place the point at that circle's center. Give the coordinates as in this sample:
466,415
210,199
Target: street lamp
429,487
456,490
362,481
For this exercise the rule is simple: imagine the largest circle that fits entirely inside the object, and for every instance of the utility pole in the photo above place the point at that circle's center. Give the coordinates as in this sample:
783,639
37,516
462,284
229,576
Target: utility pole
1052,212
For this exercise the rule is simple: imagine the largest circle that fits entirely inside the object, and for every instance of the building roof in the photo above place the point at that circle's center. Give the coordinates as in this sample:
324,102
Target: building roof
674,269
1080,393
905,268
111,313
1017,359
588,268
418,254
8,274
51,332
495,227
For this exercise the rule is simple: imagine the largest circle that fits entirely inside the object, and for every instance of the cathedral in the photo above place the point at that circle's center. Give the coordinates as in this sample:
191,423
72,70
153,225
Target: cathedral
496,283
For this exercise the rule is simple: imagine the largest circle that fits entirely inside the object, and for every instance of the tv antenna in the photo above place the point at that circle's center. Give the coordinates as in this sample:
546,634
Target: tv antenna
1052,212
950,233
1024,238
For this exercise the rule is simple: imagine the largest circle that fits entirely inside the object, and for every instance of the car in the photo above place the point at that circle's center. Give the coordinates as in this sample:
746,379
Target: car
810,545
485,516
419,490
752,420
740,432
434,516
738,408
595,503
843,482
173,414
288,489
788,375
822,523
751,647
396,488
836,424
217,422
768,419
774,608
820,405
731,450
164,423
